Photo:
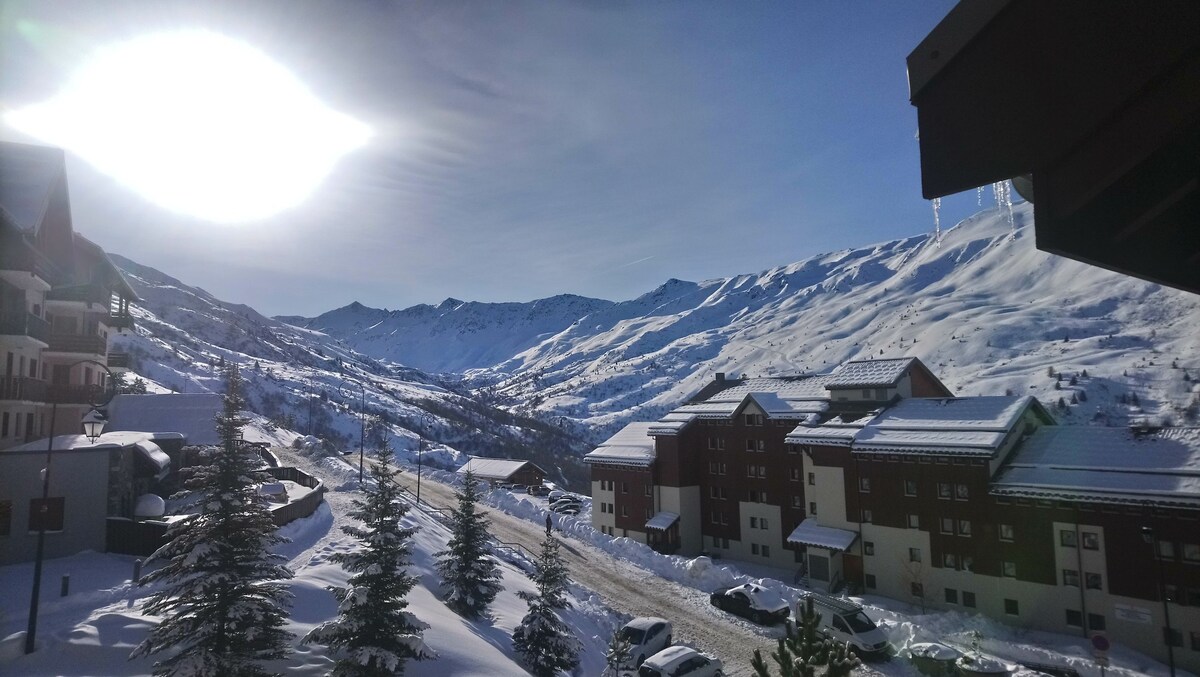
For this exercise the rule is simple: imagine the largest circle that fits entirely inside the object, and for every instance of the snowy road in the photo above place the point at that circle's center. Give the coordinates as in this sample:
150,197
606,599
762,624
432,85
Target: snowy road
629,589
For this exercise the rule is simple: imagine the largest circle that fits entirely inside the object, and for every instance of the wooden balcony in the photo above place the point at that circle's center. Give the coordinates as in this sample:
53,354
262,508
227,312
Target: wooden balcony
22,323
74,394
23,388
118,361
81,293
77,344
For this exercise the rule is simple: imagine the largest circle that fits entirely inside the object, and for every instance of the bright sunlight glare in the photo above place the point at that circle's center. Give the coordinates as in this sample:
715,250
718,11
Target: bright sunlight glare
197,123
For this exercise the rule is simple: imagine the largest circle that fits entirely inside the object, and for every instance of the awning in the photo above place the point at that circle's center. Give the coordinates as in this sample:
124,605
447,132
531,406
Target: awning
157,458
662,521
811,533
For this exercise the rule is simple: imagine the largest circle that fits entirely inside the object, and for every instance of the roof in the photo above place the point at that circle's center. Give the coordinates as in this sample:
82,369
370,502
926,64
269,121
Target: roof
28,174
494,468
631,445
870,373
811,533
644,622
796,397
155,456
662,521
1106,465
109,440
192,414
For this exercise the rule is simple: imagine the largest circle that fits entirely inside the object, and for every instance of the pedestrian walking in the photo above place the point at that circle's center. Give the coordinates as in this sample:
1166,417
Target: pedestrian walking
549,525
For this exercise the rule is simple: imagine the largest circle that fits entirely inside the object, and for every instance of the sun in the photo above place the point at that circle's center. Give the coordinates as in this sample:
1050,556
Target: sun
197,123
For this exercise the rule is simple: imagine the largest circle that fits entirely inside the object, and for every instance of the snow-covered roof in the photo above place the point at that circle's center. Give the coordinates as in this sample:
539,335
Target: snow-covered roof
830,435
870,373
1106,465
112,440
493,468
662,521
192,414
155,456
777,397
830,538
958,442
810,388
631,445
997,413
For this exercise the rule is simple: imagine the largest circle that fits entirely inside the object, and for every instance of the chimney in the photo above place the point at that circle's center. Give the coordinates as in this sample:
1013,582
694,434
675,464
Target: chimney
720,377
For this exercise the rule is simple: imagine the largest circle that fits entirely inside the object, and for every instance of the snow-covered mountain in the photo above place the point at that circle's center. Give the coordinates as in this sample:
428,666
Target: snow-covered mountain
986,310
306,381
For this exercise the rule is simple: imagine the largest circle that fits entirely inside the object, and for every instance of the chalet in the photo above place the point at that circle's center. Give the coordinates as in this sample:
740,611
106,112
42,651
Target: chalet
61,299
876,478
506,470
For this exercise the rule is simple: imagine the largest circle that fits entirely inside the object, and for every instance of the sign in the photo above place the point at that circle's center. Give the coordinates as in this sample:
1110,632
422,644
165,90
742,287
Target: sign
1133,614
1100,646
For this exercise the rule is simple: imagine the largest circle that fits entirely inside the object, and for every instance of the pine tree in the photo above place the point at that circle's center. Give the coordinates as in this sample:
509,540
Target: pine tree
223,605
617,655
799,654
373,631
470,575
545,642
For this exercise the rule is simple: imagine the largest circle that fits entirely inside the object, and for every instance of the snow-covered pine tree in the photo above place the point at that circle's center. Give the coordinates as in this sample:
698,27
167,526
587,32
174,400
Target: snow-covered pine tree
801,652
617,655
372,630
223,605
543,640
470,575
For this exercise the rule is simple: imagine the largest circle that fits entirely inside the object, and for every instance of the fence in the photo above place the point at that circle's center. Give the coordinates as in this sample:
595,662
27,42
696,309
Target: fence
143,537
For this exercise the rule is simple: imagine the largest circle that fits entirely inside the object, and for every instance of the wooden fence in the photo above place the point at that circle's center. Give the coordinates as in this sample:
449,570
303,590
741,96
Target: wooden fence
143,537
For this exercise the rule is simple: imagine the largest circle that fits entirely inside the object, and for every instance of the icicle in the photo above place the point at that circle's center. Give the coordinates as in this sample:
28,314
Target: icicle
1002,191
979,196
937,221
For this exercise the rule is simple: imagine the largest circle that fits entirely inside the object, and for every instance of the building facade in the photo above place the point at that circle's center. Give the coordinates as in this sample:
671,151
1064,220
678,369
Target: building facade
61,299
874,478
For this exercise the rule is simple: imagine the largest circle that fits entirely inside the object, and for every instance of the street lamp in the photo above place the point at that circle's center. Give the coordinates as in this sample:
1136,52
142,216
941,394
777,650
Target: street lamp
362,417
420,446
93,424
1150,537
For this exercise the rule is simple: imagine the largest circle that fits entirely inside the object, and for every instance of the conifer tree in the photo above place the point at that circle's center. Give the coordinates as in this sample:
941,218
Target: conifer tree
224,603
617,655
470,575
800,653
542,639
374,632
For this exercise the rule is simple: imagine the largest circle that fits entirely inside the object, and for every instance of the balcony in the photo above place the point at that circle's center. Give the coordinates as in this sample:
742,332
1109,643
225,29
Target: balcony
118,361
22,323
74,343
23,388
74,394
119,321
81,293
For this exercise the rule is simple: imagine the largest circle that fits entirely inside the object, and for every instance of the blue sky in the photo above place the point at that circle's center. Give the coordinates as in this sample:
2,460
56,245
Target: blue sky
523,150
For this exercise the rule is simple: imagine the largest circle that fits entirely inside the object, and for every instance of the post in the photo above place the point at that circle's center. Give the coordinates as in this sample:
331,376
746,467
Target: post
420,445
1152,538
31,628
65,587
362,431
137,570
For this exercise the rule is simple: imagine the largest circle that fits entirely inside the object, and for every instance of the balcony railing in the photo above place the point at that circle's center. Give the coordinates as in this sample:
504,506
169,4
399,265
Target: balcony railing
74,394
74,343
82,293
23,388
119,321
23,323
118,360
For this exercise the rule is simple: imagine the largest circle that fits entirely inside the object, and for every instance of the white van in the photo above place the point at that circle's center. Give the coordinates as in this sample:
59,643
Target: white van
844,621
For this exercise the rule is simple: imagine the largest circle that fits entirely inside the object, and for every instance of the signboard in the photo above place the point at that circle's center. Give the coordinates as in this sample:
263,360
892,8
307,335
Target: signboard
1133,614
1100,648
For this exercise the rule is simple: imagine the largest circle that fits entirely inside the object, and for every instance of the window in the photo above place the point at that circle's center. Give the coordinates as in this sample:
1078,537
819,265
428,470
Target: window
1091,540
947,525
798,502
1074,618
716,542
864,485
961,492
718,517
1067,538
1070,577
1011,607
968,563
5,518
603,507
914,521
624,511
812,479
766,551
869,581
753,522
1096,622
1006,532
4,425
914,554
949,561
624,487
812,507
794,474
1008,569
762,523
881,393
910,487
1166,550
649,514
753,548
649,489
1093,581
866,516
754,419
968,599
944,490
756,496
762,471
716,443
868,547
716,468
1191,552
917,589
951,596
964,527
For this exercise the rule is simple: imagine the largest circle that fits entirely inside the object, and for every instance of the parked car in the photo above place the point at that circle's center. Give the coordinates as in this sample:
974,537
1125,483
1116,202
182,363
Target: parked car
681,661
845,621
647,636
538,490
555,494
752,601
566,508
566,499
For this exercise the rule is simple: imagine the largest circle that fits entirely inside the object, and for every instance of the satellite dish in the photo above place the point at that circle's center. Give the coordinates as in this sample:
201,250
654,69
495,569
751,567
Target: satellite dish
1023,184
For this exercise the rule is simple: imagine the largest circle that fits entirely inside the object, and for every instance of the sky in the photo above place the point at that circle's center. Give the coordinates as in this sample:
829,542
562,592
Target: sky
523,150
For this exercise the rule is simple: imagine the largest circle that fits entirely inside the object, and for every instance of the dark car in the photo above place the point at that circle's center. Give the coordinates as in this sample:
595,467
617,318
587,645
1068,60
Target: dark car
539,490
752,601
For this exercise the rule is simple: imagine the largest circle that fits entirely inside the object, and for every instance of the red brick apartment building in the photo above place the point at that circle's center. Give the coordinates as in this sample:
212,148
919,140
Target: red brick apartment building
875,478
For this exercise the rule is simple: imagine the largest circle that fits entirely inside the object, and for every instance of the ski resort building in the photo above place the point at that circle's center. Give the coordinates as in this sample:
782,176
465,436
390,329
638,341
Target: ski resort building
61,299
875,478
507,470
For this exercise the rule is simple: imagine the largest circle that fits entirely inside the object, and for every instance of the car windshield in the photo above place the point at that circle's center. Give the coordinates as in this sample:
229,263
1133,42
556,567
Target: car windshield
633,635
859,622
647,671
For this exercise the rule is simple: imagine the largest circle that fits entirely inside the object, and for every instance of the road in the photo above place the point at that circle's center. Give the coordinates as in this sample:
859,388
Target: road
630,589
